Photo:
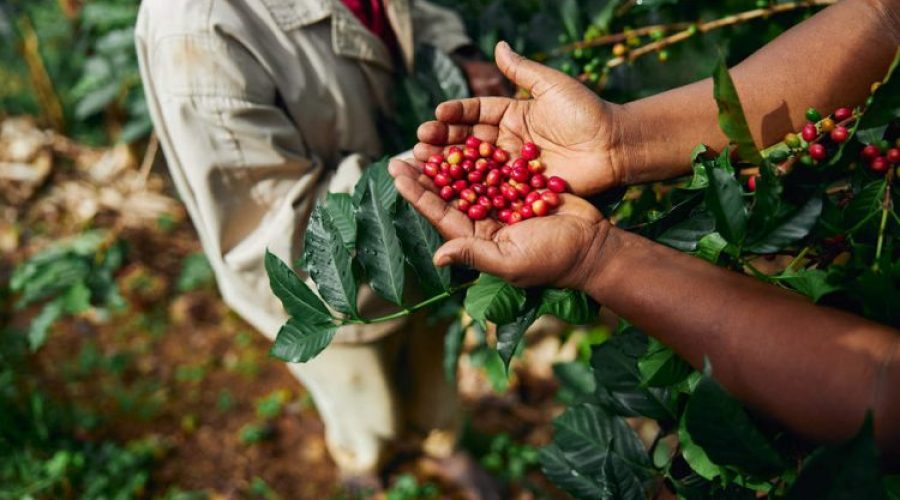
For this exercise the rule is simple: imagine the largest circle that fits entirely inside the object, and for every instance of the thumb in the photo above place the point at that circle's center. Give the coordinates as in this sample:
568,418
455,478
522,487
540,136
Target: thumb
480,254
525,73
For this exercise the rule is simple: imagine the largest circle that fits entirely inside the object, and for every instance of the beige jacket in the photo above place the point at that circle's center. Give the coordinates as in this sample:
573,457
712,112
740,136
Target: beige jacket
261,107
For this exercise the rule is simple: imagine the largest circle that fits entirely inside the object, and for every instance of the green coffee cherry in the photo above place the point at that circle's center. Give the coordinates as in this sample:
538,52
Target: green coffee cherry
813,115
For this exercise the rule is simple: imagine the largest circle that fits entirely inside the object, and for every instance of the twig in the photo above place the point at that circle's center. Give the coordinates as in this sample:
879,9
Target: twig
149,157
714,25
613,38
40,78
885,208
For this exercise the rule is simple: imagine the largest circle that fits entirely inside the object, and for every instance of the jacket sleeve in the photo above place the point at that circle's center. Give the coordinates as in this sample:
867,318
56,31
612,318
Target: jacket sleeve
438,26
238,161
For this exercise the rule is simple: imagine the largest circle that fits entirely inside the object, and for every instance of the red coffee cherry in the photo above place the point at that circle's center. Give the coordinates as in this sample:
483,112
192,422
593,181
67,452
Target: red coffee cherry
441,180
520,175
540,208
503,215
447,193
509,192
527,212
501,156
456,171
436,158
532,197
556,184
477,212
817,152
506,171
551,198
523,188
471,153
515,218
530,151
870,152
840,134
893,156
751,183
486,150
469,195
538,181
479,189
431,169
463,205
499,202
809,132
494,178
879,165
475,177
536,167
459,185
473,142
492,191
842,114
485,202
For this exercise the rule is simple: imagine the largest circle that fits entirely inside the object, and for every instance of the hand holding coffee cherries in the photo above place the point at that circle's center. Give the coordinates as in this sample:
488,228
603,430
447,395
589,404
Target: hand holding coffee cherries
548,250
569,123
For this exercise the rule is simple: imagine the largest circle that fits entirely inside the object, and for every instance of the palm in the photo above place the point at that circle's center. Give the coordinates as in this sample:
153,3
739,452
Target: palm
546,250
566,120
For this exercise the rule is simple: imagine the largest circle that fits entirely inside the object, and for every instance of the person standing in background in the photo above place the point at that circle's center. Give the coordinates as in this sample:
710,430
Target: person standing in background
263,106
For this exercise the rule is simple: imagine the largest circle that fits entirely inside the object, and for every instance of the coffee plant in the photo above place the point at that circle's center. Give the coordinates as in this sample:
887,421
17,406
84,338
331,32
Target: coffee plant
825,198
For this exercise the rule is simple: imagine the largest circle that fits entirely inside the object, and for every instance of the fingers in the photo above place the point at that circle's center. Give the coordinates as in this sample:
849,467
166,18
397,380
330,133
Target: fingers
532,76
441,133
481,254
485,110
450,222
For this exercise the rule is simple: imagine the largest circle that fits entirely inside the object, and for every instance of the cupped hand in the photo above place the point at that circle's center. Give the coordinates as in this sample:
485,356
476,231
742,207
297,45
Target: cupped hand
575,129
560,249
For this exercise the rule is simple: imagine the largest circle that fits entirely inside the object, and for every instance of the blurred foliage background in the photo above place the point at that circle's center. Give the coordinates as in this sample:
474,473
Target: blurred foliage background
112,398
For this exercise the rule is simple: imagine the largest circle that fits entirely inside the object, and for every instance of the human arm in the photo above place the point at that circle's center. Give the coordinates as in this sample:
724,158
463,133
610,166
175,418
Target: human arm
815,369
824,62
444,29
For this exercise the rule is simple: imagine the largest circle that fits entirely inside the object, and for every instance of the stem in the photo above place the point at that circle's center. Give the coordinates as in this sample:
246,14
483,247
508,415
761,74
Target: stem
714,25
885,208
411,309
797,259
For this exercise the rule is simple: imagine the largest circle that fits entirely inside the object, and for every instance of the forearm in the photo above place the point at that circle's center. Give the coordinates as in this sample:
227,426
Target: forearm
828,61
815,369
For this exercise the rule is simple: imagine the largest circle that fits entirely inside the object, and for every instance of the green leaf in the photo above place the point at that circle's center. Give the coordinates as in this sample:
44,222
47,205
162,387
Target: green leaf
721,426
810,282
384,185
725,200
195,273
340,208
439,75
590,443
686,235
453,341
378,247
329,263
299,341
420,241
492,299
619,387
76,299
731,115
489,359
710,247
793,227
867,203
661,367
847,470
571,306
576,381
699,180
298,300
510,335
695,456
40,325
570,15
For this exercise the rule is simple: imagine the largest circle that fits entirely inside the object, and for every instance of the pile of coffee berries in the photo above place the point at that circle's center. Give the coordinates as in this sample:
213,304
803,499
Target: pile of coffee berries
483,180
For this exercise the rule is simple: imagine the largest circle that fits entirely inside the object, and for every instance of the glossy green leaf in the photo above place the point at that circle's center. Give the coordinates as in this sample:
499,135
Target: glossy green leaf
420,241
810,282
711,246
571,306
661,367
576,381
340,208
600,447
492,299
378,247
725,200
299,341
731,115
848,470
439,76
721,426
510,335
40,325
695,456
686,235
790,229
384,185
297,298
619,381
329,263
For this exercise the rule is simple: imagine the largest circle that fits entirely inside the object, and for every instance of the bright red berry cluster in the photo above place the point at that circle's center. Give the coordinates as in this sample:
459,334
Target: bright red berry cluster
482,180
818,140
881,156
